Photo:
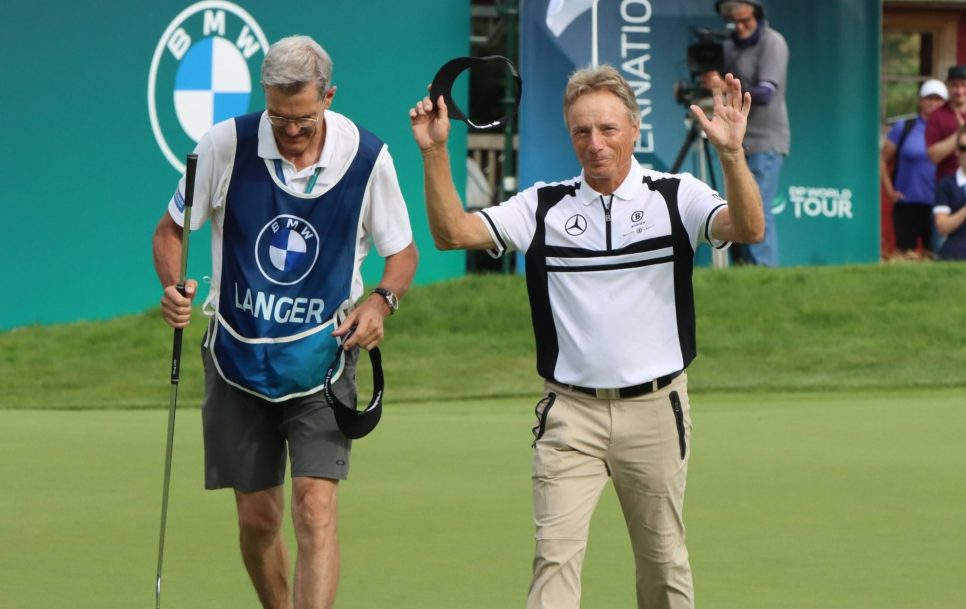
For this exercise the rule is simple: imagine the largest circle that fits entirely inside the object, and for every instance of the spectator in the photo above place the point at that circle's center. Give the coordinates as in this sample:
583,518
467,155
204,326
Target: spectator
910,186
758,56
945,122
950,208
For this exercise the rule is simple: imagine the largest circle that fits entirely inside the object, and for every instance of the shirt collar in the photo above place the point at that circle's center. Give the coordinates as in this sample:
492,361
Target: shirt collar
268,147
627,190
960,177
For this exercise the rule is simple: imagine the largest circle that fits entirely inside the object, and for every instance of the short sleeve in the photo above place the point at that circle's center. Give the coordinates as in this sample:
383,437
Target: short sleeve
512,223
934,128
945,193
216,152
698,205
895,132
387,217
774,61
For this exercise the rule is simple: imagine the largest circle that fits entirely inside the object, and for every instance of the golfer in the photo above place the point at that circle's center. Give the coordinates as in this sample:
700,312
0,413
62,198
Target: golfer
294,195
608,261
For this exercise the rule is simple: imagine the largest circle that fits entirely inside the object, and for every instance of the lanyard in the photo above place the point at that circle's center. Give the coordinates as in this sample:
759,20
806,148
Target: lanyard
312,180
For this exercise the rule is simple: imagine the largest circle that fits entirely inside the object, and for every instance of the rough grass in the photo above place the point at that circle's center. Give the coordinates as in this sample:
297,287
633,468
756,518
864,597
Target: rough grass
800,329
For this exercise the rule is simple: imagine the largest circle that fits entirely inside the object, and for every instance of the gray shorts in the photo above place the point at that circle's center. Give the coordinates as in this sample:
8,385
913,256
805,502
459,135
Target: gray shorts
246,437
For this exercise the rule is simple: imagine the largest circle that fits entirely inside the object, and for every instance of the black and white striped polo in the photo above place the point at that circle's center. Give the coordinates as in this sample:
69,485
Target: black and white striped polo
609,277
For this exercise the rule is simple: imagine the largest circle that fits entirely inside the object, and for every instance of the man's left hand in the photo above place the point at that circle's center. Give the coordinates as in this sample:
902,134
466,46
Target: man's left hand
729,120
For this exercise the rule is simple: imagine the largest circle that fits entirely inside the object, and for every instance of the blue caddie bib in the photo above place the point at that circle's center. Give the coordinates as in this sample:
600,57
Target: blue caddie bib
286,271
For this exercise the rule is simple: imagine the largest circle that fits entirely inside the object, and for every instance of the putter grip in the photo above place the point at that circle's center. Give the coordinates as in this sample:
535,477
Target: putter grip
176,357
189,196
176,347
189,180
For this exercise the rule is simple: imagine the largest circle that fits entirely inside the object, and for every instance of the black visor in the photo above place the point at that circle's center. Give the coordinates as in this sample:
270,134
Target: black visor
444,79
356,423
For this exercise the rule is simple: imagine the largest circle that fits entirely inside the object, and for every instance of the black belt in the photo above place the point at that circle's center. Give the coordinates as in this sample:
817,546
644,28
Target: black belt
627,392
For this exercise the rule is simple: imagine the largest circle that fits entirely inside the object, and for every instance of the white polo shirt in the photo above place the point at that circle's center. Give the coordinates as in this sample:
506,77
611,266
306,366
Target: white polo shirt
609,277
384,217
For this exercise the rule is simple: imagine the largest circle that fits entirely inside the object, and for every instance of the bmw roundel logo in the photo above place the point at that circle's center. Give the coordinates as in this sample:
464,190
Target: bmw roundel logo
204,70
286,249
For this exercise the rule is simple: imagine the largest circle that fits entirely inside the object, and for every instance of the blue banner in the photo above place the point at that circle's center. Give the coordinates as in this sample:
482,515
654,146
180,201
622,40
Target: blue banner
826,210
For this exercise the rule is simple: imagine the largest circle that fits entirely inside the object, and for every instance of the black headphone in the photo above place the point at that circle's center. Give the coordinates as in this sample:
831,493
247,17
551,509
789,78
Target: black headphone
758,6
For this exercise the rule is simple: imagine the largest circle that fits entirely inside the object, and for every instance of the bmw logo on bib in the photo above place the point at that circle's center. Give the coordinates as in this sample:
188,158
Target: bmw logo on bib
204,70
286,250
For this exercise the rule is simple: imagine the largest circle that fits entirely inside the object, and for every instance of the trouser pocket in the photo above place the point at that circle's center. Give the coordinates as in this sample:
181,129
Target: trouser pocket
542,411
679,421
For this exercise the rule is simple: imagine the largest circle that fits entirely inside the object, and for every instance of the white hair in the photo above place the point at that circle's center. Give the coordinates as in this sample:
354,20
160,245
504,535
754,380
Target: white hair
294,62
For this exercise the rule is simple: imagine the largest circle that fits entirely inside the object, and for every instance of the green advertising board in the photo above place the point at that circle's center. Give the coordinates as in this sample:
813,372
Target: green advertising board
97,128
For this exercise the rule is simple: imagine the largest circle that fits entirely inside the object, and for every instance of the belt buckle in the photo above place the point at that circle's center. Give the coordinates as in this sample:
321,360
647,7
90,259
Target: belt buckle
607,394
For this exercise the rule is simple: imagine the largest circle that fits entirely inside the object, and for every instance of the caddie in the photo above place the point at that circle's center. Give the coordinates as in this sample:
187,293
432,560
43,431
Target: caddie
294,195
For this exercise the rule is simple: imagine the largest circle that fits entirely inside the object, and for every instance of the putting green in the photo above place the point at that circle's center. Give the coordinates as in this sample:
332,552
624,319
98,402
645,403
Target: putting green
795,501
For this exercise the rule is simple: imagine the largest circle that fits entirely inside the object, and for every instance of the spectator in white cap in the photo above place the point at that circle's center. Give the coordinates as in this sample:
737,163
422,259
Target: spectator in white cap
911,184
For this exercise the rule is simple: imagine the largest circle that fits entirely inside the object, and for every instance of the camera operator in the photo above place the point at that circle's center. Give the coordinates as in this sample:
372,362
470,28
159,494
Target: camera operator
758,56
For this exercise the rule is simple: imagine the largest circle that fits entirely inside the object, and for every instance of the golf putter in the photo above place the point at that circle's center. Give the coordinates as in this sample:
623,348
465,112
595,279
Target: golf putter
189,193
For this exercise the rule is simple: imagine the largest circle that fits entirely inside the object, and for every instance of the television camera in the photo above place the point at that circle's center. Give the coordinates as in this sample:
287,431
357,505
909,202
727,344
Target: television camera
705,54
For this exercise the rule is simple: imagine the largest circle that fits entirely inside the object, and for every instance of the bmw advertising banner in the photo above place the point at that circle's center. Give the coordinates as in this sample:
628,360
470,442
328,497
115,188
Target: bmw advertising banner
102,102
200,76
826,209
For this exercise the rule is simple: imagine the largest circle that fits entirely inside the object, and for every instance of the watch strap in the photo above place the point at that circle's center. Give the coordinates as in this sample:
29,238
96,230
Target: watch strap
391,300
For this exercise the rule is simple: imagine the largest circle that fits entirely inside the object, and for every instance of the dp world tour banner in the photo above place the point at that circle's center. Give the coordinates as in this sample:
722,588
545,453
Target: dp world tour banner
827,209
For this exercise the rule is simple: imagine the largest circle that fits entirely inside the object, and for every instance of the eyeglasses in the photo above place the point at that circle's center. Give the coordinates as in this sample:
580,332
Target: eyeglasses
303,123
746,21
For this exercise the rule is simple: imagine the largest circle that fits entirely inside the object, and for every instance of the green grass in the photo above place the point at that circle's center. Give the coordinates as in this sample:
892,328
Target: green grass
795,501
804,329
826,472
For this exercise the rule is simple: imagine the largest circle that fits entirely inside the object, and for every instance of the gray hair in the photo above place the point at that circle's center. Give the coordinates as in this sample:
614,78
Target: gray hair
727,8
603,77
294,62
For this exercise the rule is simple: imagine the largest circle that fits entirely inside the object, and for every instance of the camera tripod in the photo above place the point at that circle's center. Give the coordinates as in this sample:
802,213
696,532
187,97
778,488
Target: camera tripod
697,141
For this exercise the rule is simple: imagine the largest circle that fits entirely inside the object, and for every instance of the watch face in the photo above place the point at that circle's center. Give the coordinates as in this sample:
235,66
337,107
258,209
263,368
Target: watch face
391,299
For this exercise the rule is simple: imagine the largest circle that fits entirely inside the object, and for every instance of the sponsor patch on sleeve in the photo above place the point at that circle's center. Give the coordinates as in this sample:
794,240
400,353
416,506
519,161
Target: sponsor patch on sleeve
179,200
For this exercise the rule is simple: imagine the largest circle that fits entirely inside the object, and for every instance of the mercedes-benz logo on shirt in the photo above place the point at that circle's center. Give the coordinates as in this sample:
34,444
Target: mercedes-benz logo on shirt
576,225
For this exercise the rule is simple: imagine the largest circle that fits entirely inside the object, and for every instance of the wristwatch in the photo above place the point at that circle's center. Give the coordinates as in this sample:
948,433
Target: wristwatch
391,299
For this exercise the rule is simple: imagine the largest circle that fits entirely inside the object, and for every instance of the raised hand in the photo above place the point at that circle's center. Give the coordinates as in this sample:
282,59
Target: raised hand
726,128
430,127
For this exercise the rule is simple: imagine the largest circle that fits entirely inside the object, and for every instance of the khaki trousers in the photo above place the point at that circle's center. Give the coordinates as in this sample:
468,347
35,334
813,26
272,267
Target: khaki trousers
643,444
